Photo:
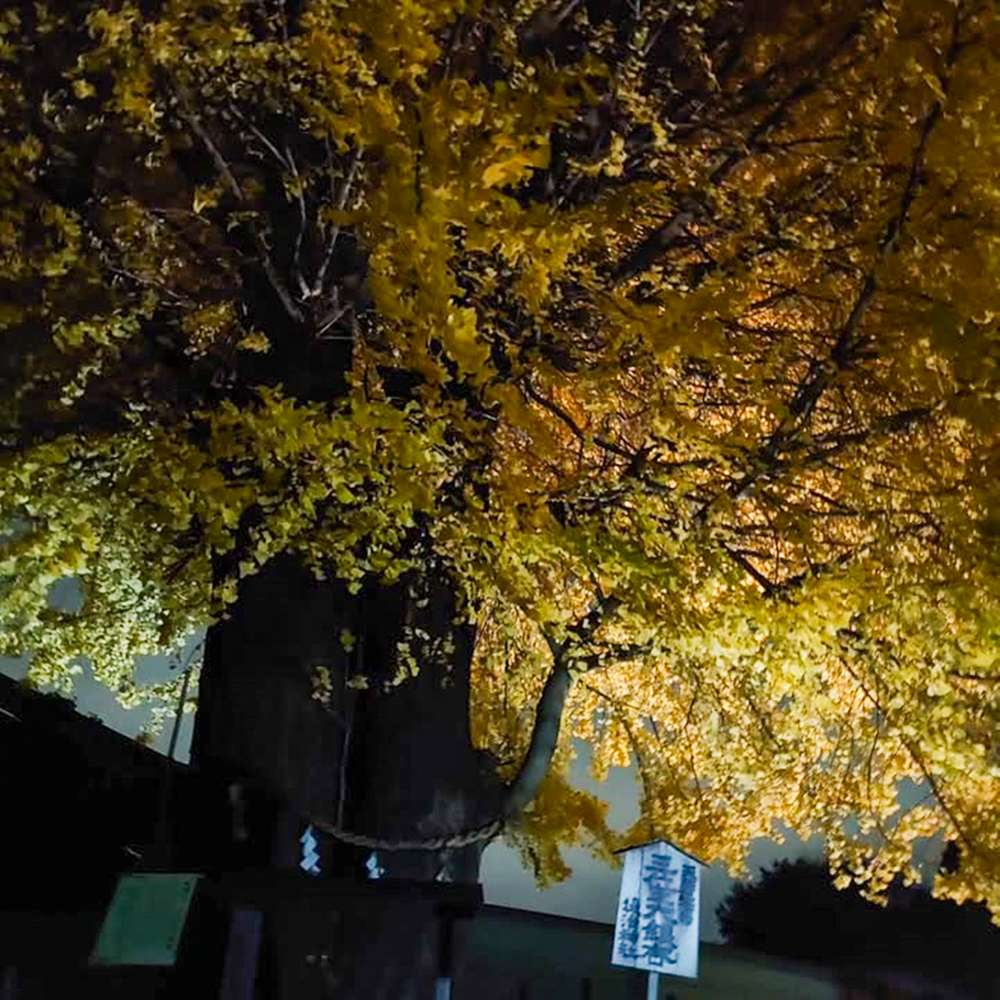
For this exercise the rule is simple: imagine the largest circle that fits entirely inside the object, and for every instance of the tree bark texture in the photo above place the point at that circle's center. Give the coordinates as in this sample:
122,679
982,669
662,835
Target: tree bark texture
387,760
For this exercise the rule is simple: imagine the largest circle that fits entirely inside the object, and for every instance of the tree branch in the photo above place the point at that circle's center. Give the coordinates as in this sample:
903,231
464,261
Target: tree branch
548,712
340,202
303,225
767,585
667,233
544,737
234,185
849,341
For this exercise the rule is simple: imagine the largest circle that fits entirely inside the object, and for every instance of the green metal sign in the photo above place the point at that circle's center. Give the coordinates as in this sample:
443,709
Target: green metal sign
144,921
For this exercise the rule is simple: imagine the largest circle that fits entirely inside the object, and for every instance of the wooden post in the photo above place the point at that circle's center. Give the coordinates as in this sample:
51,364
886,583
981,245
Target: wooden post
446,930
239,968
8,985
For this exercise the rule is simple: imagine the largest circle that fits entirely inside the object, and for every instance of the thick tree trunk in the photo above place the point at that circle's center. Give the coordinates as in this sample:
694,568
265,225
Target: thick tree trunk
309,710
394,761
391,761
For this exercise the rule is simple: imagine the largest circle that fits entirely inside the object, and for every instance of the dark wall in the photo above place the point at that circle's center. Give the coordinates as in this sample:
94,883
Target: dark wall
81,802
85,804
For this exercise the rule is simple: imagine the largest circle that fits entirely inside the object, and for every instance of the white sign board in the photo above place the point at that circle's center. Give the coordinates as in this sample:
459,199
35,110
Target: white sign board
657,925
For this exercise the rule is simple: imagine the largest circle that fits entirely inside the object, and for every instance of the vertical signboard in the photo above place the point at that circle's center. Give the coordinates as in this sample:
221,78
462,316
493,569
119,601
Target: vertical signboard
657,925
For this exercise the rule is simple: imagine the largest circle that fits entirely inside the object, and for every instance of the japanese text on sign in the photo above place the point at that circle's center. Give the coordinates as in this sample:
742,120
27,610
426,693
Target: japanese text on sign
657,925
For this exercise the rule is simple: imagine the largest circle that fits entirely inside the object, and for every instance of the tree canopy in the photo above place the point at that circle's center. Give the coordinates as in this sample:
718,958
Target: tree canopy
666,332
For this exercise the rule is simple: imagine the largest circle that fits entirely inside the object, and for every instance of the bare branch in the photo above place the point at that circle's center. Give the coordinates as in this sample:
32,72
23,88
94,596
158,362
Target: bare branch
340,202
234,185
768,586
270,146
303,225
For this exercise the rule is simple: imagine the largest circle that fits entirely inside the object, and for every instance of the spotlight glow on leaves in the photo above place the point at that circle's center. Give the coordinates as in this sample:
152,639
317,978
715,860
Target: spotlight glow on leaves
669,331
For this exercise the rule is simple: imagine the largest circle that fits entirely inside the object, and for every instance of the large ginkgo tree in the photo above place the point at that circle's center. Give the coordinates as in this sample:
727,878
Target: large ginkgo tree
491,374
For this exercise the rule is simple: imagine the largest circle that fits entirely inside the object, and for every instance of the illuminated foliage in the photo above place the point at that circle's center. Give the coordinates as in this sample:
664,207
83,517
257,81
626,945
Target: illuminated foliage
667,331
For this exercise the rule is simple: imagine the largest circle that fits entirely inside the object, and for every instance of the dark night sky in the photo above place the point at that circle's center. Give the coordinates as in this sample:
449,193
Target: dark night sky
591,892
